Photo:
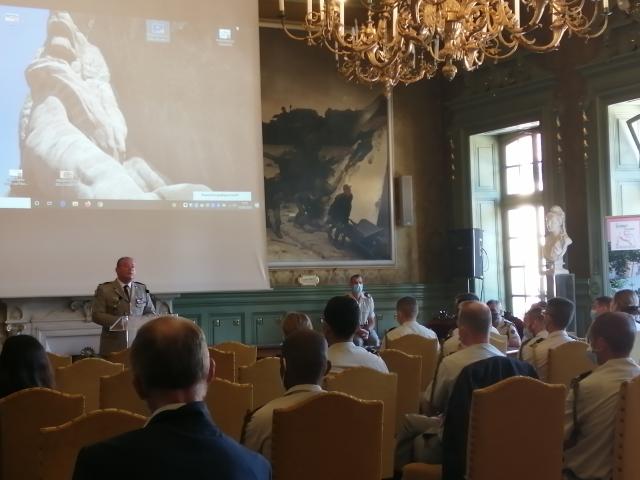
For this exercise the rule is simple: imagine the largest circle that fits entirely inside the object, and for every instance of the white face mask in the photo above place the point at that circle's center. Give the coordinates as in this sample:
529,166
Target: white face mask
591,355
357,288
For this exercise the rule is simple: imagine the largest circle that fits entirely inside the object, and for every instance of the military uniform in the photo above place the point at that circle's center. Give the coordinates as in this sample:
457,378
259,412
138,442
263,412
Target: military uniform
540,354
110,302
508,329
590,419
526,352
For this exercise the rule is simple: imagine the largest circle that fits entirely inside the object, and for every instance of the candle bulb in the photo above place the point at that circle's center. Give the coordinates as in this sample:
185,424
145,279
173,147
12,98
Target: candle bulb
281,6
516,11
309,6
394,21
605,5
554,13
342,15
321,7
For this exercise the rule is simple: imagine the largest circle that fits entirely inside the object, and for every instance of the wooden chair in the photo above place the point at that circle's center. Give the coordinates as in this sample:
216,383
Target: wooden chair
22,415
321,437
501,342
368,384
57,361
626,462
83,377
59,446
119,357
225,364
245,354
408,368
264,375
567,361
541,430
425,348
116,391
229,403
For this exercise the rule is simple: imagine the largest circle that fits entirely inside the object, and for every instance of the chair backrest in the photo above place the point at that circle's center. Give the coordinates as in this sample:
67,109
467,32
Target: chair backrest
119,357
540,431
83,377
229,404
225,364
264,375
22,415
426,348
116,391
501,342
245,354
626,462
368,384
325,437
59,446
57,361
408,368
567,361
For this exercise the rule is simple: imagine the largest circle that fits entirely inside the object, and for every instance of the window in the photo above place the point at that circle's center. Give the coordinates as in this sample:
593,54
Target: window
624,157
508,206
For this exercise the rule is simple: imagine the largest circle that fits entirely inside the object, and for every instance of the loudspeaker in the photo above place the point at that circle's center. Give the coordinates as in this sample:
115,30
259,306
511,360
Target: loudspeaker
404,189
465,253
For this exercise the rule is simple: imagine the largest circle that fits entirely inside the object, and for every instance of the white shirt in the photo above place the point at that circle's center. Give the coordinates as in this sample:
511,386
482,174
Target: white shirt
365,303
526,350
450,368
411,327
346,355
257,435
453,344
540,351
592,456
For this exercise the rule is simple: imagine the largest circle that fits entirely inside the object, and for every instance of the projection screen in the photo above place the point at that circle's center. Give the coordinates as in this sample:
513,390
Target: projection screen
130,128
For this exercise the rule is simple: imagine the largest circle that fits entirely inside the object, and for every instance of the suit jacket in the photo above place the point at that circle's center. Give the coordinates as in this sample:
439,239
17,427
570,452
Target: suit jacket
175,444
110,303
479,374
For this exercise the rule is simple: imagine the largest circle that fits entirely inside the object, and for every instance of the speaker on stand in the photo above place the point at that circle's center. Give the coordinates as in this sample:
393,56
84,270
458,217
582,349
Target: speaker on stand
466,254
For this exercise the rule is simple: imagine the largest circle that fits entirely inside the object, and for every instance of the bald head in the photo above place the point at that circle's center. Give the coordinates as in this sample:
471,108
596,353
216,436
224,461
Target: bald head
612,334
474,321
304,358
169,353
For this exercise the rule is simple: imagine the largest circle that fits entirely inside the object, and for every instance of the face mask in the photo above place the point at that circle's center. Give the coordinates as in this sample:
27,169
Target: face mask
357,288
591,355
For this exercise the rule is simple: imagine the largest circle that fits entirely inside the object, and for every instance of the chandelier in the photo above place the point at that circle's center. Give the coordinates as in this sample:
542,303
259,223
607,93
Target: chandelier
403,41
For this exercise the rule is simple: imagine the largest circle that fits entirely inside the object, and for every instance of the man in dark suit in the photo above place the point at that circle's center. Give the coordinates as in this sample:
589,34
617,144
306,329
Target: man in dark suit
171,371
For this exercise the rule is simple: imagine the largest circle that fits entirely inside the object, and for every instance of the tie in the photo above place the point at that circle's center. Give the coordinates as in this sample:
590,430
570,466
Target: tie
126,292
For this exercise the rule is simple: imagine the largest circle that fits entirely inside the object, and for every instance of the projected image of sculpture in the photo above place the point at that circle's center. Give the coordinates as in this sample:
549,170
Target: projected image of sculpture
326,154
73,134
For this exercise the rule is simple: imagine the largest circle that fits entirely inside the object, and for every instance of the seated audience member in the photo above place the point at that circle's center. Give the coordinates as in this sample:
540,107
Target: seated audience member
593,401
538,305
627,301
293,321
453,343
536,332
474,321
600,305
302,366
171,369
556,316
504,326
23,364
341,320
407,317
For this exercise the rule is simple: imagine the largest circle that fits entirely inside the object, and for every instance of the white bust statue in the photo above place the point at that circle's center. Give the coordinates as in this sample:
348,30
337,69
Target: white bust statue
556,242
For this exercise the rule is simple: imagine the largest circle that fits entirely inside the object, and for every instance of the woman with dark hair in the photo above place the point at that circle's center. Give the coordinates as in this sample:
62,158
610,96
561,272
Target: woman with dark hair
23,364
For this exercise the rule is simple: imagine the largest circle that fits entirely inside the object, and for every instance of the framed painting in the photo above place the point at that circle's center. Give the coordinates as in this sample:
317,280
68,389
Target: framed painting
327,160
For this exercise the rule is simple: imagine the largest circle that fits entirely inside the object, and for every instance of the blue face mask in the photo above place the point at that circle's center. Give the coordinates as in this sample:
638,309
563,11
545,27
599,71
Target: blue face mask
591,355
357,288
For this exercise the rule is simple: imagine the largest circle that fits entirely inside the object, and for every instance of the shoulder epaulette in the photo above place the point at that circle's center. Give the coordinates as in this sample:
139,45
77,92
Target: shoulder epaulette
536,342
366,294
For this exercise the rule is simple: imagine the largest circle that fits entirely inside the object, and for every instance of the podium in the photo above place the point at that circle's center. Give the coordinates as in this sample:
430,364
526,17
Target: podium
130,324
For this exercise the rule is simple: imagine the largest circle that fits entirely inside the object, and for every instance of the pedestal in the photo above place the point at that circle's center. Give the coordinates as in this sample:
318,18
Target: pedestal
563,285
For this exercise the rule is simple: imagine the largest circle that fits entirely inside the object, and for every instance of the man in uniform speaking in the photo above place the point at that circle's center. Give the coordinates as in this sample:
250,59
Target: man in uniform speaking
115,299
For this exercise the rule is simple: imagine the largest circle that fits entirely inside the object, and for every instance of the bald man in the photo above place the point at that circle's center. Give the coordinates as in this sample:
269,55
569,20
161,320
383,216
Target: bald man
474,322
592,404
302,366
171,371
